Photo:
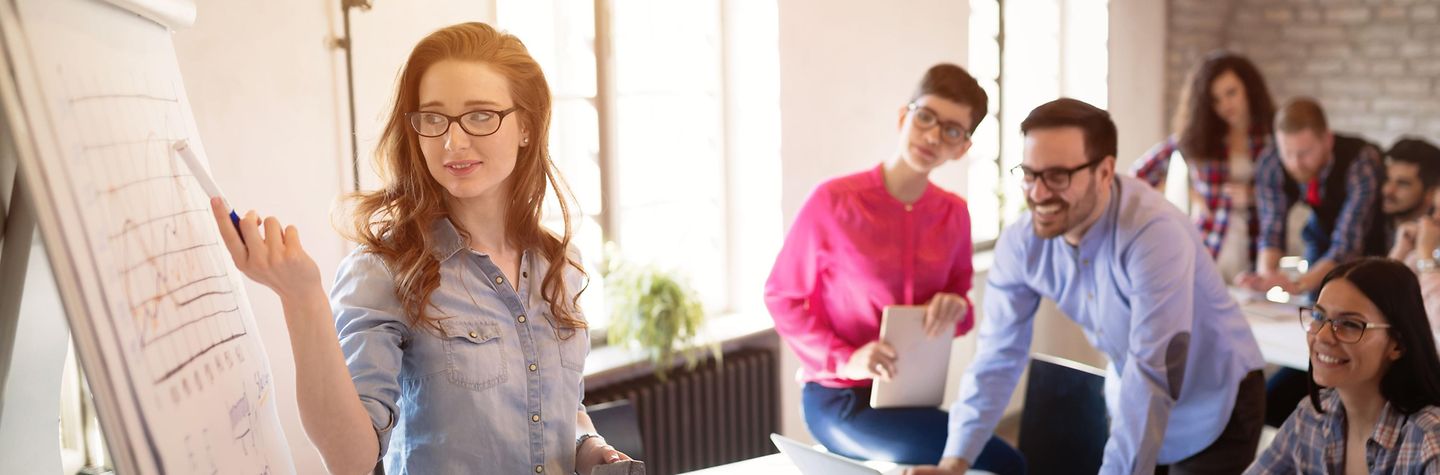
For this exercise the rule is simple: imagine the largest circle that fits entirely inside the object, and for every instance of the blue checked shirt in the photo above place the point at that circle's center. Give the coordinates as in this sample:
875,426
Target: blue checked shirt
1361,185
1144,289
1311,442
496,390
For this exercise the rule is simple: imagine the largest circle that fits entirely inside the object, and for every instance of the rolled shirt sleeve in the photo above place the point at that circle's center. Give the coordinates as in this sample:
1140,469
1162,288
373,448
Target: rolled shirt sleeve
1154,166
371,328
1270,200
1361,184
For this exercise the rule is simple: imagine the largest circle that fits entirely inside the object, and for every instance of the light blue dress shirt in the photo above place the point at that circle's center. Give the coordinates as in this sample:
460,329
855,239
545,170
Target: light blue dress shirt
1147,294
496,392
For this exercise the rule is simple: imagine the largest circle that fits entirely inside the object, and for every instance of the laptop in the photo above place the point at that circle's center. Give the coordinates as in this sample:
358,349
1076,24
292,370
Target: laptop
811,461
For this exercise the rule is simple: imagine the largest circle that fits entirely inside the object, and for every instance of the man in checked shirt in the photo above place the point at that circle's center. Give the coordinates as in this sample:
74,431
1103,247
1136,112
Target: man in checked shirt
1339,176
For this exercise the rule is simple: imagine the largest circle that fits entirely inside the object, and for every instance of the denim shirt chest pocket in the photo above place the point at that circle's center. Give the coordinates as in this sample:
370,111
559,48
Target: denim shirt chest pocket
474,353
574,345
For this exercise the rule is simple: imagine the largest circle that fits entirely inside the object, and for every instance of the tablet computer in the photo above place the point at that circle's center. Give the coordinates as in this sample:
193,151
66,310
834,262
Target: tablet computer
922,362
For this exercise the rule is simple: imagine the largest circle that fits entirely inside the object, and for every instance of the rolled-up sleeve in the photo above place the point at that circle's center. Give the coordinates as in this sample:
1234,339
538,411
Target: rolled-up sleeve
1154,166
1271,203
1004,343
1362,181
371,327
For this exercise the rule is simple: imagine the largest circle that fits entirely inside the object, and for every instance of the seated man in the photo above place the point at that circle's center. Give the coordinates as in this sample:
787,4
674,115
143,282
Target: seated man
1339,177
1184,389
1415,164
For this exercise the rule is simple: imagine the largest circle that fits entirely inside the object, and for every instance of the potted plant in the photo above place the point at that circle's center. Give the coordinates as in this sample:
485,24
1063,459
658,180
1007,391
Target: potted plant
654,310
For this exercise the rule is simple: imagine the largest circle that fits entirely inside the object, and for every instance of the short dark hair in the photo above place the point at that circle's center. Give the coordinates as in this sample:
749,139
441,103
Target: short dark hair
1301,113
1099,130
1413,381
955,84
1200,131
1422,154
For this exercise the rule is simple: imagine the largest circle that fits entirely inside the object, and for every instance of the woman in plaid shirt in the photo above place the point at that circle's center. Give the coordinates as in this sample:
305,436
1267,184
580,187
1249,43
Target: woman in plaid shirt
1222,127
1379,409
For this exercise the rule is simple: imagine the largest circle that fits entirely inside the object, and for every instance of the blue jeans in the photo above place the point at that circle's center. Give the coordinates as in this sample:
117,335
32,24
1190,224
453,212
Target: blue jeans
843,421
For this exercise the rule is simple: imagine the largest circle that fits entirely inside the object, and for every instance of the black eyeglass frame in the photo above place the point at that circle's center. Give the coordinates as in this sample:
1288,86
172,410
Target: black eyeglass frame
411,117
1028,177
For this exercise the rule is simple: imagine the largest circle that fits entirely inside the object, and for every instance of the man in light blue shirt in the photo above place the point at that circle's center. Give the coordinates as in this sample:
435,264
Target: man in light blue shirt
1184,389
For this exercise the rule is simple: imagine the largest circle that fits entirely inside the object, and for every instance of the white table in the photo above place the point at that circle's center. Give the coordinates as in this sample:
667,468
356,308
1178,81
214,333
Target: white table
778,464
1277,330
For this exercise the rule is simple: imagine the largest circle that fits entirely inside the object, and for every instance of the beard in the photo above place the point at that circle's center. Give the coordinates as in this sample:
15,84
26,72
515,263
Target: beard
1066,217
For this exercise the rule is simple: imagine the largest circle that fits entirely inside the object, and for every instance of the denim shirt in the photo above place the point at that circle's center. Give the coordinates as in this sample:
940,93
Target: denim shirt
495,392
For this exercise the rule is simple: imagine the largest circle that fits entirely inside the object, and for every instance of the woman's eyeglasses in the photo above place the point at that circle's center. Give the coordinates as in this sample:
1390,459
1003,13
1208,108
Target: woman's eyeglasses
952,133
1345,329
477,122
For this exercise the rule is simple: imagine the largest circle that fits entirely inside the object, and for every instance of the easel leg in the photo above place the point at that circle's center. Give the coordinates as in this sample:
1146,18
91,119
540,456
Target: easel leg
14,261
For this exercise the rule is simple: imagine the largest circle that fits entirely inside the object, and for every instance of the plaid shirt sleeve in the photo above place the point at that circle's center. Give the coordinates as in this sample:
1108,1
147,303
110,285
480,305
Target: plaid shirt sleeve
1154,166
1270,200
1361,182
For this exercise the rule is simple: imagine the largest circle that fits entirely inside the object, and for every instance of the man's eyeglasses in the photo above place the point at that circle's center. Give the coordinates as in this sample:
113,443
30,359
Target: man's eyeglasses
1346,330
1056,179
952,133
477,122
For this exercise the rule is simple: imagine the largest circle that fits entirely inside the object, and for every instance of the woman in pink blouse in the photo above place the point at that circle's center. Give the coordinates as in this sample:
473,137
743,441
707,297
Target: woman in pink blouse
883,236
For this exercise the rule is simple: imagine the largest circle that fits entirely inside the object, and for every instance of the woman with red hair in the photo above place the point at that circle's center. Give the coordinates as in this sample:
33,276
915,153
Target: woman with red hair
457,343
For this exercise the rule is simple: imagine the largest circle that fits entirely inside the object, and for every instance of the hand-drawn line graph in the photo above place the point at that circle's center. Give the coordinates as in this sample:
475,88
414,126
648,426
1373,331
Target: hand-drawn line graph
178,293
160,317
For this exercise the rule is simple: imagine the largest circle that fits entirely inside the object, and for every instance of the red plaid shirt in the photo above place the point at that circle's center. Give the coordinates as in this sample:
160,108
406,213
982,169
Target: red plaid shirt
1207,179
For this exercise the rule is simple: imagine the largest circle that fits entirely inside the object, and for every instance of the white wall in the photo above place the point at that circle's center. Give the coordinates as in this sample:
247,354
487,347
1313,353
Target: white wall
268,92
846,68
1137,76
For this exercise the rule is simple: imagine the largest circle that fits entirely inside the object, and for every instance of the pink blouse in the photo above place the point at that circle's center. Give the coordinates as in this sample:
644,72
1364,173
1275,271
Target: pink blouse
853,250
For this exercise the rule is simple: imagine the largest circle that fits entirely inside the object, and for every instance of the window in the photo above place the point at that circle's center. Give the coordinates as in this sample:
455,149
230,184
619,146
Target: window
1026,53
648,133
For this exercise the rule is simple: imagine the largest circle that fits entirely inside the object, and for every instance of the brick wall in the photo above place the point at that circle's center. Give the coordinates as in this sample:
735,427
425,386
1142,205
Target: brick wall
1373,64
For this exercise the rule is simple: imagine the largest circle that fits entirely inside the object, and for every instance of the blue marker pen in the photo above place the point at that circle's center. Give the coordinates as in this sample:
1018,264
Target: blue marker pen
182,147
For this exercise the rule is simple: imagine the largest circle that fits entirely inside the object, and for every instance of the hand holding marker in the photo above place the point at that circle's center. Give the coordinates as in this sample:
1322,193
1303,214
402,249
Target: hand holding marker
187,155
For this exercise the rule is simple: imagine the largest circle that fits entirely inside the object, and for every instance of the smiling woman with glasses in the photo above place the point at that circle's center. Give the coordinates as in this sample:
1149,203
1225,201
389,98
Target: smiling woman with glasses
884,236
1374,404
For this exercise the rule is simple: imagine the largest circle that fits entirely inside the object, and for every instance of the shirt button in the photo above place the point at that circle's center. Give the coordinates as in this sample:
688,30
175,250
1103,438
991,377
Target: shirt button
525,274
534,418
909,207
499,280
474,335
534,367
520,319
539,469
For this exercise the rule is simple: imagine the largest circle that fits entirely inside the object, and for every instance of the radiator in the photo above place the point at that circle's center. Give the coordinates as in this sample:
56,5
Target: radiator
712,415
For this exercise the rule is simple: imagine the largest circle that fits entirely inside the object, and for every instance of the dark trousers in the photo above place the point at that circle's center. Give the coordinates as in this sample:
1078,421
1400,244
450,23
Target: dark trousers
1235,449
1286,388
843,421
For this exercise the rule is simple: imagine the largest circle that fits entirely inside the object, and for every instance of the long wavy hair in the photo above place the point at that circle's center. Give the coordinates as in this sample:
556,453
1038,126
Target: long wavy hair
395,221
1413,381
1200,132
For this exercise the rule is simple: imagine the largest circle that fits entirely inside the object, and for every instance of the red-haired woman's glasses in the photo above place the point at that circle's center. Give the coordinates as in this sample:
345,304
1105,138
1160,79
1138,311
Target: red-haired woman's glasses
477,122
